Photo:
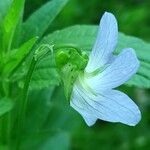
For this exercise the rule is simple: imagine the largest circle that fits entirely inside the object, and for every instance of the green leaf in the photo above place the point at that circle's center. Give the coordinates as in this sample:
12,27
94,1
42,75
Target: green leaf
47,141
15,57
40,100
51,120
52,143
45,74
83,36
11,21
4,5
61,115
40,20
4,147
5,105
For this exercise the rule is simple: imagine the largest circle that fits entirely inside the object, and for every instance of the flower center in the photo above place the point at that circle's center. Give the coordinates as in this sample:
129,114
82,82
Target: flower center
82,81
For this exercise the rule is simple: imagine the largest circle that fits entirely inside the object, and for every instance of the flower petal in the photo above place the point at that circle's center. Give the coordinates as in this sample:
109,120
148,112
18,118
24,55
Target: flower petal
80,105
112,105
105,43
89,119
116,106
119,71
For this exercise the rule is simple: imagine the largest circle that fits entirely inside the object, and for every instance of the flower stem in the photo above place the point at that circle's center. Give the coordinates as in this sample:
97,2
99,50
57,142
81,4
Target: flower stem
5,120
38,55
24,102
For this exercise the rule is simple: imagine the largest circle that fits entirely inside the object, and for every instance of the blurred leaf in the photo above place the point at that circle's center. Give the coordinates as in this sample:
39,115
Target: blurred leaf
49,120
4,5
47,141
61,115
11,21
15,57
52,143
5,105
2,147
40,20
38,109
83,36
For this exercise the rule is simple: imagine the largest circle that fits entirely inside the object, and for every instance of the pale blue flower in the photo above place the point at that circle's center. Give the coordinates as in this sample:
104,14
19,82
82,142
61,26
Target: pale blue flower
93,95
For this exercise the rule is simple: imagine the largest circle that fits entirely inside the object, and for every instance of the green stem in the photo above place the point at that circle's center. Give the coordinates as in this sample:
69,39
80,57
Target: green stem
5,129
26,87
23,103
2,90
1,136
8,131
6,87
5,120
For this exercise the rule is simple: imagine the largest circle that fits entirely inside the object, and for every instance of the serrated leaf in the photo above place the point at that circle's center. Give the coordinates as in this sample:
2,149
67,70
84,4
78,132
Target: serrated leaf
40,20
83,36
11,20
5,105
15,57
45,74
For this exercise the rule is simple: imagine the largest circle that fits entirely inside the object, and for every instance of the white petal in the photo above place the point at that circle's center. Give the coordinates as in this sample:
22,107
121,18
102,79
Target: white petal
116,106
105,43
113,106
79,104
89,119
119,71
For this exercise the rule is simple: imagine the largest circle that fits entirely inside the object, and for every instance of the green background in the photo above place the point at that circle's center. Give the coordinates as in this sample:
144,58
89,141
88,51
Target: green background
64,127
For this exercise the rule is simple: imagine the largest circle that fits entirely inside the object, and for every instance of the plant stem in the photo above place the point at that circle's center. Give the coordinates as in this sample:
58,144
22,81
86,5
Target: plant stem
24,101
5,129
5,123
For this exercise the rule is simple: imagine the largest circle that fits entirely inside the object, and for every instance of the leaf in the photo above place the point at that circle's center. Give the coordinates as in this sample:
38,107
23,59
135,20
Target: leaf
11,20
40,20
4,147
61,115
47,141
4,5
16,56
52,143
51,120
45,74
51,112
41,102
5,105
83,36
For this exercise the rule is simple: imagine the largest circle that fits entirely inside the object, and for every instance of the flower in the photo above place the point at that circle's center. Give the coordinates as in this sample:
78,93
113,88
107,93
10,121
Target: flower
93,94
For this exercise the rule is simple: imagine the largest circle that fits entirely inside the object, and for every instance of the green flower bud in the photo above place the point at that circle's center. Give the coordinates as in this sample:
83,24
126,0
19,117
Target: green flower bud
61,58
70,62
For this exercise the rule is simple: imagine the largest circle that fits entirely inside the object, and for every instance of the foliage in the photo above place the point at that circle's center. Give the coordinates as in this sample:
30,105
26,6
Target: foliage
34,113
